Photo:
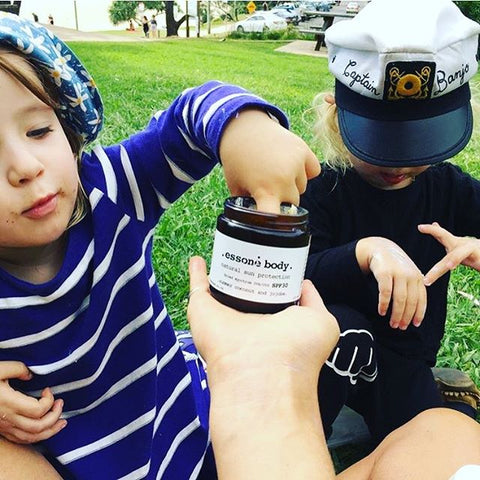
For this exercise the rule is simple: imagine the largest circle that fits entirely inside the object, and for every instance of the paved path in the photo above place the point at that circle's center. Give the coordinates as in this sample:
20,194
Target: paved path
300,47
303,47
68,34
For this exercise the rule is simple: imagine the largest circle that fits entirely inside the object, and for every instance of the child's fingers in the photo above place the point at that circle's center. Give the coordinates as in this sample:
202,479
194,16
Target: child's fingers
440,234
400,296
43,427
385,288
18,435
46,402
437,271
421,307
27,406
267,202
410,307
10,369
416,296
447,263
312,166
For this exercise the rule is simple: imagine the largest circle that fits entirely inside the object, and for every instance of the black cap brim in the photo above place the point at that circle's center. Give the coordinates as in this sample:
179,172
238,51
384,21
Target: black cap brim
412,133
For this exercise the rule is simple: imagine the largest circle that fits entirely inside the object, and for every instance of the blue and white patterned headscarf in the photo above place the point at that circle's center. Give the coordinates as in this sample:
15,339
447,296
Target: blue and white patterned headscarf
80,103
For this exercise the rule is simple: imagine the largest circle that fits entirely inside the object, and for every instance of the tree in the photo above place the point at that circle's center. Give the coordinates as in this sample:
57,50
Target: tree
230,10
172,24
470,9
123,11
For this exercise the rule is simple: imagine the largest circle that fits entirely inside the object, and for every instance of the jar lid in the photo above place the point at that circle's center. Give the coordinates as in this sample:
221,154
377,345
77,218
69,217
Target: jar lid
244,209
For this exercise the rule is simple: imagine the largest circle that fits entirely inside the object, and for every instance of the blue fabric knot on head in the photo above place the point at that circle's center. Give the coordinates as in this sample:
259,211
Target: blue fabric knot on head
80,103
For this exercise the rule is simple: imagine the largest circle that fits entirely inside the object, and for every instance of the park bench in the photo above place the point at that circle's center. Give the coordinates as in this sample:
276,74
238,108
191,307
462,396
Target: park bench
319,34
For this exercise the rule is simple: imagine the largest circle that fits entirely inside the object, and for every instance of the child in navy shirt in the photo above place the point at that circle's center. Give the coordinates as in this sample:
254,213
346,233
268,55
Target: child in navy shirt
387,208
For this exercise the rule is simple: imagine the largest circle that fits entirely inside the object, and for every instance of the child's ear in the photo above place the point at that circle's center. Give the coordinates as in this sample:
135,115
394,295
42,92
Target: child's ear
329,98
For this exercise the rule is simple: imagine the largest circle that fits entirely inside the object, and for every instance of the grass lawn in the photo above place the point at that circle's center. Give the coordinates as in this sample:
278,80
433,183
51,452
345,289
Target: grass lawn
137,79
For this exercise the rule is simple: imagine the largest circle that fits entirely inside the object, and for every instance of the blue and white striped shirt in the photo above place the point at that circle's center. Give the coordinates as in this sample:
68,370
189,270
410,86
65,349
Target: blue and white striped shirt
98,333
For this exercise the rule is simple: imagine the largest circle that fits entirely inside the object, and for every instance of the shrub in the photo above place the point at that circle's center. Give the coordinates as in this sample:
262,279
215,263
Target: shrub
290,33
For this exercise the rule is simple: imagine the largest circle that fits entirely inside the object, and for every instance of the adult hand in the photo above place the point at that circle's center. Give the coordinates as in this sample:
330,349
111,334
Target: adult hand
25,419
400,282
263,373
460,251
264,160
298,338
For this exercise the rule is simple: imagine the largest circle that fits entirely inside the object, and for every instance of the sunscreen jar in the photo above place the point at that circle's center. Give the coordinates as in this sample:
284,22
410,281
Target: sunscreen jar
259,258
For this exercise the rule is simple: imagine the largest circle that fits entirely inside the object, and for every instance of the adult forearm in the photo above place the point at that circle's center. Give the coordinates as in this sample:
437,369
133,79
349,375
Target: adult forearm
268,430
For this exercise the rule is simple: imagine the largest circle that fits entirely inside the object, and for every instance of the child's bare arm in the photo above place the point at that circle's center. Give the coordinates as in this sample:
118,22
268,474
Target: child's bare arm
400,282
460,251
25,419
265,160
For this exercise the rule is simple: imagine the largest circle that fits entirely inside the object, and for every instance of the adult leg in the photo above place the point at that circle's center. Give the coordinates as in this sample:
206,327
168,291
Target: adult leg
432,446
21,462
352,361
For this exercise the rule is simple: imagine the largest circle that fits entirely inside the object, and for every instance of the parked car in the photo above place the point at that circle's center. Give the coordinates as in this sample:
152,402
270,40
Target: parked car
288,11
324,6
352,7
289,17
261,22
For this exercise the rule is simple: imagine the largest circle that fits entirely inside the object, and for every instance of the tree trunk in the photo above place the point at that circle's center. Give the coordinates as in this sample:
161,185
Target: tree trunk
172,24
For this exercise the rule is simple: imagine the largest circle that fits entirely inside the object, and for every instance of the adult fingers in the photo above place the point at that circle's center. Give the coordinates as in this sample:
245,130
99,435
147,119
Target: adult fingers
202,307
199,285
325,324
310,296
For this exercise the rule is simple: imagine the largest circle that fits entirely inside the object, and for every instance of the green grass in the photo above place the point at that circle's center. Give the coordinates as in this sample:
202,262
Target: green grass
136,79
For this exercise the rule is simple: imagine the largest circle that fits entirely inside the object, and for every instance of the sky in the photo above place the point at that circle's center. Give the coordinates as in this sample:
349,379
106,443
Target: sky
91,15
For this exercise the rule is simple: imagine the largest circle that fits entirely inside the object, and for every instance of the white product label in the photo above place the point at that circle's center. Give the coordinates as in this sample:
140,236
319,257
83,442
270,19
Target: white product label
257,273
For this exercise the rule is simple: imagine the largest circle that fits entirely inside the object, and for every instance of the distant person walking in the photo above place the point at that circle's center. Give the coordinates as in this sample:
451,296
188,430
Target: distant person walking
153,27
146,27
50,19
35,17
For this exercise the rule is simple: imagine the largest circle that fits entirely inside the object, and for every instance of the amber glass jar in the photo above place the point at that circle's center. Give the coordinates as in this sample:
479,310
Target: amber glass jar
259,258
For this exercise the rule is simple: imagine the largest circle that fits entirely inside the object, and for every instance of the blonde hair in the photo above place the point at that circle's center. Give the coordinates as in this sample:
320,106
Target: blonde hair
327,133
42,86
